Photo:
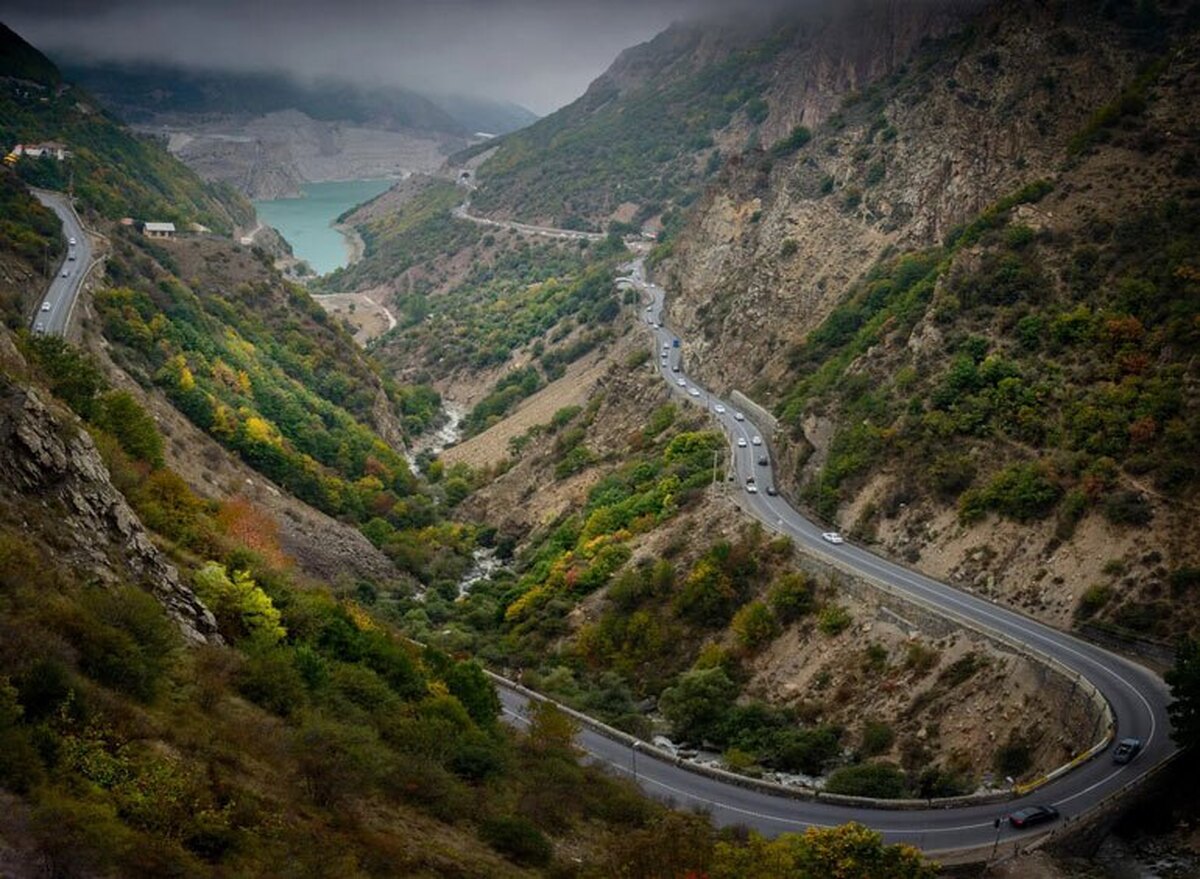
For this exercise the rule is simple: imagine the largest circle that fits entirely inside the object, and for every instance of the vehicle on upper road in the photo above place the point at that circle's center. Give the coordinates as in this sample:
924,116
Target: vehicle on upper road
738,416
674,343
752,488
658,325
1126,750
675,368
764,461
71,241
693,392
45,306
66,273
1031,815
741,442
772,491
39,327
666,346
719,409
833,537
71,256
649,308
757,441
681,382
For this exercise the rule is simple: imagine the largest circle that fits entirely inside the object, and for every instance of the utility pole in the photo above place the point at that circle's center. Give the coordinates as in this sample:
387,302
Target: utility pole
633,749
996,845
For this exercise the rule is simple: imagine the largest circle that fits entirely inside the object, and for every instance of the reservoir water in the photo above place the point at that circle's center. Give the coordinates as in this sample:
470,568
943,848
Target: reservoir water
307,222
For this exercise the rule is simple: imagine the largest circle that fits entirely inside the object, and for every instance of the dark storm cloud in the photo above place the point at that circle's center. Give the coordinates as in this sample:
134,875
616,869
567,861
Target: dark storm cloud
541,53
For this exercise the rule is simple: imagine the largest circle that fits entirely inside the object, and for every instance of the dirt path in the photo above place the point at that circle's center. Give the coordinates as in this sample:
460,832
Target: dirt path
368,317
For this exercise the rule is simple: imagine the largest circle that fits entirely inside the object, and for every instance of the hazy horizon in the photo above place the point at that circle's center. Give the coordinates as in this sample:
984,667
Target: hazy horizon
540,54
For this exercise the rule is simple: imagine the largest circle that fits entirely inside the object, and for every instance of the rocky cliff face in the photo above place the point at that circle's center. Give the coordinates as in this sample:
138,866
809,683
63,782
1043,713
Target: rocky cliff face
775,242
1100,106
53,481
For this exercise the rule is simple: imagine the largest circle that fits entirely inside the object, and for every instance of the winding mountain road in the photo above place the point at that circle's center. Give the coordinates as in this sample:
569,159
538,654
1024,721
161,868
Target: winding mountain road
54,312
1136,696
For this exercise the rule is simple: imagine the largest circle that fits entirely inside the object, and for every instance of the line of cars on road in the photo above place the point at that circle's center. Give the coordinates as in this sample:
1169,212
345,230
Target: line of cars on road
40,325
1125,750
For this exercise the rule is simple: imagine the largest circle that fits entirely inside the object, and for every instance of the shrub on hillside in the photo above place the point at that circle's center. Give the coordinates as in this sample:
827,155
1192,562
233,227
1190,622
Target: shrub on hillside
518,839
880,780
1023,492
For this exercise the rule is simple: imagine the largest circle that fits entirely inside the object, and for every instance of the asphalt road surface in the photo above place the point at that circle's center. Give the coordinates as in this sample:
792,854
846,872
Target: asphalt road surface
1137,696
54,311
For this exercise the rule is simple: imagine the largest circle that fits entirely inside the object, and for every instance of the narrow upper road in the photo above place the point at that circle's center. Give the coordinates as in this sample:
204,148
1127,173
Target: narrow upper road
462,212
54,313
1136,696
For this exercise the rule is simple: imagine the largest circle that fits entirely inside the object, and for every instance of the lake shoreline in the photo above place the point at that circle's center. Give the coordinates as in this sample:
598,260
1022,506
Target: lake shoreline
310,226
355,246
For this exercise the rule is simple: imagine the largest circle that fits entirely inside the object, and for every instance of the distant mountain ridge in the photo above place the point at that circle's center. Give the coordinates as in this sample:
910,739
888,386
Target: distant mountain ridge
143,91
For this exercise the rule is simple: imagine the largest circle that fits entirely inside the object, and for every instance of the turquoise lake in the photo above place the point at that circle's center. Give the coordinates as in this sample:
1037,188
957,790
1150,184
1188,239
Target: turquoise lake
307,222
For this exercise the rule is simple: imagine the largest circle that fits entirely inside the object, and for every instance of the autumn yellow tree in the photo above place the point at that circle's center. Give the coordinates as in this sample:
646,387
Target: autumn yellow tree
847,852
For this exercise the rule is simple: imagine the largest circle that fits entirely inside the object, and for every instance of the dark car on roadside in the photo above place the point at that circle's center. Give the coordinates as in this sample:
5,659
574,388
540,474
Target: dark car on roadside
1031,815
1126,750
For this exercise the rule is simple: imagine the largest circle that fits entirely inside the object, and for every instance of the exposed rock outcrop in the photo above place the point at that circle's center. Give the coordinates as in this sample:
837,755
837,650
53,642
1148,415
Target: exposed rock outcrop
48,460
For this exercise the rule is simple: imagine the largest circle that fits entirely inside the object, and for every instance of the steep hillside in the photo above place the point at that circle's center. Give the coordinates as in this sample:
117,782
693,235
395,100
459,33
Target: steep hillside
649,132
111,171
31,244
971,297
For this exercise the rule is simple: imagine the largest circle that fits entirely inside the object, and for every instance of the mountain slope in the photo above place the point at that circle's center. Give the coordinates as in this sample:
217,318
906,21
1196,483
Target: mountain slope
113,172
970,298
650,130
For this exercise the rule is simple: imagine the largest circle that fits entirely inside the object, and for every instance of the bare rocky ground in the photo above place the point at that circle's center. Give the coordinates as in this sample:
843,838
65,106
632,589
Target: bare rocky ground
367,317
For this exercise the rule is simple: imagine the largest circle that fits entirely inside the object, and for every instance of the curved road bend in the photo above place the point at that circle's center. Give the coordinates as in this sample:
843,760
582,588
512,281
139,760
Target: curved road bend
54,311
1137,697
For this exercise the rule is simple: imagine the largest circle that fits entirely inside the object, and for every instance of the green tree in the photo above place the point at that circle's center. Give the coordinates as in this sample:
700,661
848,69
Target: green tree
237,602
791,597
133,427
470,686
1184,681
882,780
755,625
698,703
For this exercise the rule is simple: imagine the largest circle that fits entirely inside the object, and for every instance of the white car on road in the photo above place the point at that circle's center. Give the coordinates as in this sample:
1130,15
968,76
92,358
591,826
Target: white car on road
738,416
719,409
752,488
833,537
693,392
681,382
757,441
45,306
741,442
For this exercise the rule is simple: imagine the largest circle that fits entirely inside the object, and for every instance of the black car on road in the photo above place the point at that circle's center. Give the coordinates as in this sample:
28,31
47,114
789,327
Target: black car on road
1126,750
1031,815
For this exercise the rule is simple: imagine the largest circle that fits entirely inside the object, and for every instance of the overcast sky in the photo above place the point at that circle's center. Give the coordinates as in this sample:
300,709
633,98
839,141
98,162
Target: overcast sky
539,53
